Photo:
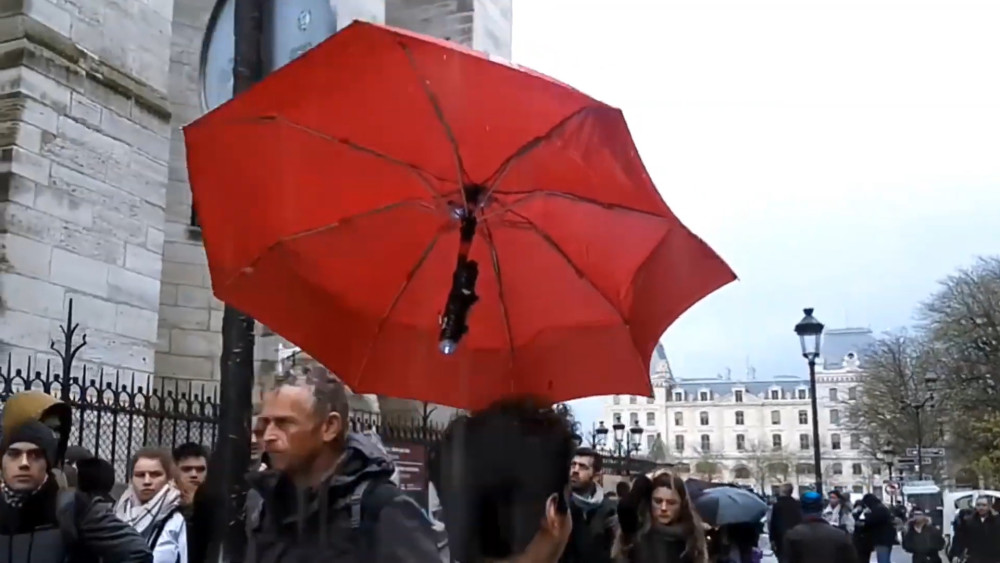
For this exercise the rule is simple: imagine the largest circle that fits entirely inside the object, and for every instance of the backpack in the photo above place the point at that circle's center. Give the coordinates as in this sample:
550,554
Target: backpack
365,503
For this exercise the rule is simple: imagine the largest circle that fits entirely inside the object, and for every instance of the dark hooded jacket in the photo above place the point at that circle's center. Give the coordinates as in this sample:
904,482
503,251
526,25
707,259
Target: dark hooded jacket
318,525
595,526
49,525
38,405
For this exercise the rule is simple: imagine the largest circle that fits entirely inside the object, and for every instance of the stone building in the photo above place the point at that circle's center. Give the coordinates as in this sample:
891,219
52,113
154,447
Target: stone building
95,205
758,431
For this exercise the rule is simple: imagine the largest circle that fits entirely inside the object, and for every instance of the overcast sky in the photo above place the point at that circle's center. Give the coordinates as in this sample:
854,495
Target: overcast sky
843,155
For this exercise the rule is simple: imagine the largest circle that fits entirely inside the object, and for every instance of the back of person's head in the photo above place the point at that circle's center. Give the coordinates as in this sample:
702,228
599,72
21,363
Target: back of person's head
502,475
787,489
622,488
95,476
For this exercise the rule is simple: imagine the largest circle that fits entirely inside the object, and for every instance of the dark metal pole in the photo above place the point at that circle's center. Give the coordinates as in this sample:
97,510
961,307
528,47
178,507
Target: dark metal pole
920,445
815,424
236,386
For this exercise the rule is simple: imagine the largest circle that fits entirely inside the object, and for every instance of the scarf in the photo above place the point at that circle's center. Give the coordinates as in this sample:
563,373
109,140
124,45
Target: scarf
589,502
144,517
16,499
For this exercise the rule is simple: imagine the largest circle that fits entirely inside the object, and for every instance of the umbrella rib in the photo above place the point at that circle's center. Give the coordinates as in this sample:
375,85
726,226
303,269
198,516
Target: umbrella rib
530,194
417,171
494,257
526,148
461,175
555,246
302,234
395,301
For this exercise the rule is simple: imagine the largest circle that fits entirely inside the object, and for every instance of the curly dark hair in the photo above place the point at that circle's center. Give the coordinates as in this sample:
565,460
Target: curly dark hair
495,472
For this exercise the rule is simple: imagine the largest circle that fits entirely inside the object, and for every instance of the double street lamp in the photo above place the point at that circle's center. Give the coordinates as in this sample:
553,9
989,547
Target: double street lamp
810,333
917,405
889,454
625,447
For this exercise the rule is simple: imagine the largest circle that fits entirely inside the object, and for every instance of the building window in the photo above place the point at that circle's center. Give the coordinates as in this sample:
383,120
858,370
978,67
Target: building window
649,441
775,417
703,396
706,443
855,442
833,395
876,470
856,468
650,400
616,400
738,395
679,396
804,442
650,419
741,442
834,416
834,441
739,418
852,393
838,469
803,417
633,419
802,394
703,418
679,442
776,441
775,394
678,419
632,400
618,418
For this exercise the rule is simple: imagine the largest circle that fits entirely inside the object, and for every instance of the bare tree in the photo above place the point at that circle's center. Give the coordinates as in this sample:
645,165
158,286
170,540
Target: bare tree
962,320
707,465
758,458
896,367
658,451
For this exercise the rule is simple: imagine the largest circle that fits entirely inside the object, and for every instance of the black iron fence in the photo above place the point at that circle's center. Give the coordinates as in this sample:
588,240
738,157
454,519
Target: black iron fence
116,412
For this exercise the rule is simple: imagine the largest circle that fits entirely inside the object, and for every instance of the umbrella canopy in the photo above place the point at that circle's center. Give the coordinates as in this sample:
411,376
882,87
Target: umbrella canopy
385,190
720,506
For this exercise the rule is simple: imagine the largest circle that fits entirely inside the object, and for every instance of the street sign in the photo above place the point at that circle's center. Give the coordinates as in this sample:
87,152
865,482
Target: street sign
928,452
906,461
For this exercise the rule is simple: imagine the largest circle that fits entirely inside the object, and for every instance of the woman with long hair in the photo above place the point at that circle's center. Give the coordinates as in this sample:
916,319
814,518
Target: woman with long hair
152,505
658,523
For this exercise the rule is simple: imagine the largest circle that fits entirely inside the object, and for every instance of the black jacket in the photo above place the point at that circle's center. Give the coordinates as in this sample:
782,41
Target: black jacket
979,538
89,530
318,525
876,528
785,515
816,541
595,526
925,545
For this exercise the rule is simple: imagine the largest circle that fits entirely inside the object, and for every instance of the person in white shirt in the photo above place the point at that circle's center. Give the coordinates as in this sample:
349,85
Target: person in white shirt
152,505
838,512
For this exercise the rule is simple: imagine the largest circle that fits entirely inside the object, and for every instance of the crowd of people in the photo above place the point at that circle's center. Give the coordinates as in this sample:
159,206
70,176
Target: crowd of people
513,483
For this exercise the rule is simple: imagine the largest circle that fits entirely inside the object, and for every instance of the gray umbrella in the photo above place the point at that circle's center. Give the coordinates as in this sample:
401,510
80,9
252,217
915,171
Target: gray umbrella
730,505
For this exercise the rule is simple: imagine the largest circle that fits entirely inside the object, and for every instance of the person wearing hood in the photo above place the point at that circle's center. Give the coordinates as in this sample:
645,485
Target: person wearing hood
595,516
923,539
57,415
328,495
814,540
876,528
40,523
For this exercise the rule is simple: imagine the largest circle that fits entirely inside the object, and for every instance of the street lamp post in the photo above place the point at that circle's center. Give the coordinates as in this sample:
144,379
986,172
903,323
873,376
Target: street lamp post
930,380
619,435
810,333
635,439
890,459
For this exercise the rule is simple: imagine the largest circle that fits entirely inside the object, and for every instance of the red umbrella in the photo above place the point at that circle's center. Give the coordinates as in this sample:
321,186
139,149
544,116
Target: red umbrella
338,195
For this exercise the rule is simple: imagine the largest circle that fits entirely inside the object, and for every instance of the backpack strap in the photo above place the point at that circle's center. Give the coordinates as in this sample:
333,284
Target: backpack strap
66,516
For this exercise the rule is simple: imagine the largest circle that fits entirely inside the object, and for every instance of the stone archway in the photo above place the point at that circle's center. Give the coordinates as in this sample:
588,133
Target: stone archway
967,477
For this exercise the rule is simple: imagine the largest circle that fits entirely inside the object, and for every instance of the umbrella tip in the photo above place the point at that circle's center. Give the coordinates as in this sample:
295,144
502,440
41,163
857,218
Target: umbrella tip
448,347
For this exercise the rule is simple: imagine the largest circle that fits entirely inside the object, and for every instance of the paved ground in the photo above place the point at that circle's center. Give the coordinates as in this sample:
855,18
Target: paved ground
898,556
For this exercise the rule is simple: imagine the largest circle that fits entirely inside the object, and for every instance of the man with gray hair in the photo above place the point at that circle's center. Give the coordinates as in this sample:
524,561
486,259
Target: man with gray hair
328,493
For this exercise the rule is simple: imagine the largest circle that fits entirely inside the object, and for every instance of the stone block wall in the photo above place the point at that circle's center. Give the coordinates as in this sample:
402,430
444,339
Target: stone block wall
84,145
